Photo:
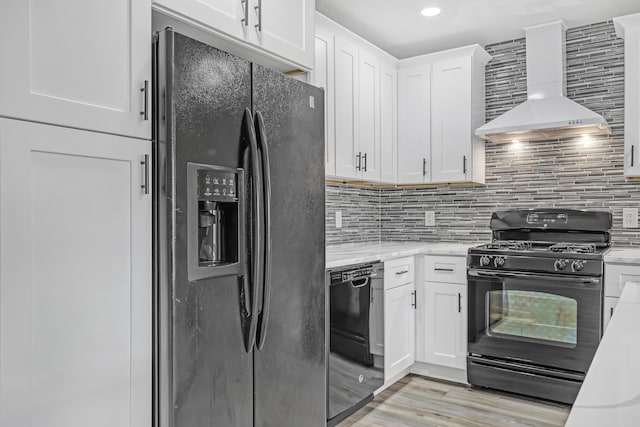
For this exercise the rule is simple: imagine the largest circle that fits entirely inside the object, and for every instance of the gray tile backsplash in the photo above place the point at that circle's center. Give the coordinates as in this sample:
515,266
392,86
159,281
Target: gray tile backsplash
569,173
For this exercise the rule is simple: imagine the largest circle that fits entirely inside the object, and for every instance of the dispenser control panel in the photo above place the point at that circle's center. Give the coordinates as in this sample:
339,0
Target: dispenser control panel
217,185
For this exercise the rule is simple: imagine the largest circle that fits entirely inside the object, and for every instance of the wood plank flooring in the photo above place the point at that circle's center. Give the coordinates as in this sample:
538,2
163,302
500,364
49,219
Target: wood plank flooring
420,402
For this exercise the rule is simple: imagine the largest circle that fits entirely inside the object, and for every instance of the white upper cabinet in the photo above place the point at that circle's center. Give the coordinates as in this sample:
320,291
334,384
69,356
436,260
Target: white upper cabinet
369,116
388,123
440,104
414,125
450,126
280,28
628,28
346,104
77,63
363,110
323,76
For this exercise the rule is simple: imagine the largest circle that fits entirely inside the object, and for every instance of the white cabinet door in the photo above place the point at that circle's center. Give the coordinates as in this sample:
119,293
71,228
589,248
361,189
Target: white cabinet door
322,76
399,329
388,124
369,115
445,324
414,124
231,17
75,279
284,27
628,28
346,107
77,63
451,130
610,304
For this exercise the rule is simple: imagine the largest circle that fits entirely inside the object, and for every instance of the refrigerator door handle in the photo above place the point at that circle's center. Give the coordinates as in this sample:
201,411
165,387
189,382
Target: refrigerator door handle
255,250
266,237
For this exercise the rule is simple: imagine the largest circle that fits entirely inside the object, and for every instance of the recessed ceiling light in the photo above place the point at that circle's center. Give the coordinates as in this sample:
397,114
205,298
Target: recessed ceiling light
430,11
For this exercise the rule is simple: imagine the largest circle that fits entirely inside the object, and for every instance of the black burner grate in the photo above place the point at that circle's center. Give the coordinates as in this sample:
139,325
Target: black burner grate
574,248
514,245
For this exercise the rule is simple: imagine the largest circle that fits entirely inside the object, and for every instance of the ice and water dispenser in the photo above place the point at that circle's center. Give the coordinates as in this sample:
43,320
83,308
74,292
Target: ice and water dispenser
213,222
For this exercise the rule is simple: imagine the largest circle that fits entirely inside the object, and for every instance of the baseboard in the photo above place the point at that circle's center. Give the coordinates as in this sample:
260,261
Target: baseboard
440,372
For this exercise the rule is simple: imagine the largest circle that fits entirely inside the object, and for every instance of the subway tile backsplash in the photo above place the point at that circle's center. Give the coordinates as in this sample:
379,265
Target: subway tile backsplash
570,173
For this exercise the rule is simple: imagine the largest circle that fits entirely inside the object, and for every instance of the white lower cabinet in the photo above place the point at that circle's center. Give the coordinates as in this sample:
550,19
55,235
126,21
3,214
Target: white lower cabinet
399,317
615,277
75,278
399,324
441,326
445,333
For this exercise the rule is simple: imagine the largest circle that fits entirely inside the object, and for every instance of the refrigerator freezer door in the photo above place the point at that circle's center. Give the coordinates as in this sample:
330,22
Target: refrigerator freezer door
290,370
206,375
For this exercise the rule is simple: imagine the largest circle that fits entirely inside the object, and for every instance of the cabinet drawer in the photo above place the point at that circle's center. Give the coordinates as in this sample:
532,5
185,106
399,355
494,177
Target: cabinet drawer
446,269
616,275
399,272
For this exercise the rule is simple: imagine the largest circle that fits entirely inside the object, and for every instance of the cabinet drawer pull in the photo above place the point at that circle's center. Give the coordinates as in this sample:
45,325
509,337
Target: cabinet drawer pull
443,269
398,273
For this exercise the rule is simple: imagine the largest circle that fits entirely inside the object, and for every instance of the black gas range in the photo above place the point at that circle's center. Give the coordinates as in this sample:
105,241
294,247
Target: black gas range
535,301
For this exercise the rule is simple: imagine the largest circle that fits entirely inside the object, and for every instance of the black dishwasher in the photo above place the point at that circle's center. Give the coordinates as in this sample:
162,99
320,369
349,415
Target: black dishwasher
354,371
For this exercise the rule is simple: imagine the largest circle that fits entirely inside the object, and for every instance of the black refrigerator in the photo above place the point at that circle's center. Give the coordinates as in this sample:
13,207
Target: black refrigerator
239,241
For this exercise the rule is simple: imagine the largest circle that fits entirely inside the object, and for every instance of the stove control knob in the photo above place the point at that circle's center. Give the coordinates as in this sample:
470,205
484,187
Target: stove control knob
560,264
498,261
484,260
577,265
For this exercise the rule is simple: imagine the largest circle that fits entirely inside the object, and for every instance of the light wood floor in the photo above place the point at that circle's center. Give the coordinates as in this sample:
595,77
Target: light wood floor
419,402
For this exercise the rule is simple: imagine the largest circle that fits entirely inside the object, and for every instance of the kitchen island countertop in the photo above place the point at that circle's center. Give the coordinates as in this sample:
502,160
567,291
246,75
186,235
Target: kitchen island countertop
349,254
610,394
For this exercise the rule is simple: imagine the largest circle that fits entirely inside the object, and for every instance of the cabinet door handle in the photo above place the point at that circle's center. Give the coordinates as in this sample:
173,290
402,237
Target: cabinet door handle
464,165
632,153
414,300
364,156
443,269
424,167
459,302
359,157
611,312
145,92
398,273
245,12
258,9
145,184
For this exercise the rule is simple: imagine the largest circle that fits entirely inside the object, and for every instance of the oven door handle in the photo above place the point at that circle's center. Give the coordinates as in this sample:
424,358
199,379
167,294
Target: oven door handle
554,277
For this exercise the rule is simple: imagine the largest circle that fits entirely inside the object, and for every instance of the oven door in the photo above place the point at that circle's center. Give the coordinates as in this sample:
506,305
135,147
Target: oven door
543,319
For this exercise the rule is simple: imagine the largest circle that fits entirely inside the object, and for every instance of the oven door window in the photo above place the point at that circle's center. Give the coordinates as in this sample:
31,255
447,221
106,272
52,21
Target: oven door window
532,316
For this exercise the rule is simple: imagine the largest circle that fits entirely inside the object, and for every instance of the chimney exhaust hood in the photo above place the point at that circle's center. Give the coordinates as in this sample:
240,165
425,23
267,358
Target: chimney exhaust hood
547,113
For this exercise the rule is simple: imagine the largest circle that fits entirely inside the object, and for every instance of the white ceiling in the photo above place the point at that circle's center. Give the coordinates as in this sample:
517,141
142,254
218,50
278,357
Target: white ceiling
397,27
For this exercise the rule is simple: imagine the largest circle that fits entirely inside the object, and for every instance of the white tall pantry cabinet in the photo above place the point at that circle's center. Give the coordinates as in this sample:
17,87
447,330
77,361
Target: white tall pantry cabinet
75,216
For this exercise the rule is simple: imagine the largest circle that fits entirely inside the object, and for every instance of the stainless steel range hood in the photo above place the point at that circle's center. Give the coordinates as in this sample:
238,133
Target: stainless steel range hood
547,113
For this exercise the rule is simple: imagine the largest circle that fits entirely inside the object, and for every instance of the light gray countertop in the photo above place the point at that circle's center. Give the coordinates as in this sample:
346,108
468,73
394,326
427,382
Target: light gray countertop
342,255
624,255
610,394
